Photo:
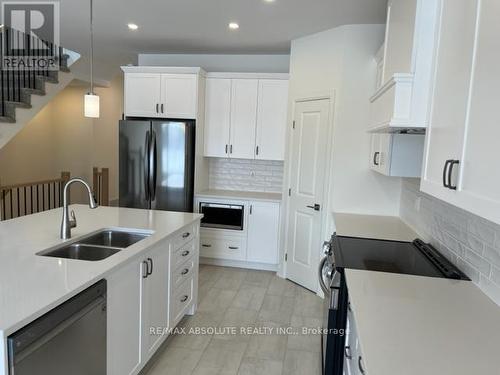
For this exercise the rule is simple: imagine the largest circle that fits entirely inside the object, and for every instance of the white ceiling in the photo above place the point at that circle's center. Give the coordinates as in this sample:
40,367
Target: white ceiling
200,26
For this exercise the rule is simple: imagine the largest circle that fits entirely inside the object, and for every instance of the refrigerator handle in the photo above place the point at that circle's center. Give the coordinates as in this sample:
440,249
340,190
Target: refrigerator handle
152,165
146,166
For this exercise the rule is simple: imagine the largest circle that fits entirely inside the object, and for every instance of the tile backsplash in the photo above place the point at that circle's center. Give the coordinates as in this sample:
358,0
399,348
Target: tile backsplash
246,175
470,242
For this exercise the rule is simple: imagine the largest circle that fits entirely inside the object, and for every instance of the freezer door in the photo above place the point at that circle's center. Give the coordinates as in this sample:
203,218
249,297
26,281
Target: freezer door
172,158
134,144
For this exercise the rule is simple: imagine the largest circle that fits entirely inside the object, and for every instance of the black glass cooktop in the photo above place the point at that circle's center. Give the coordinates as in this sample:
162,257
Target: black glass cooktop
412,258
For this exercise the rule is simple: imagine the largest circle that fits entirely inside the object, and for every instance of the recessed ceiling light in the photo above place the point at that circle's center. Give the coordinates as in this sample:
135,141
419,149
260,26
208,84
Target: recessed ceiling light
269,1
234,26
132,26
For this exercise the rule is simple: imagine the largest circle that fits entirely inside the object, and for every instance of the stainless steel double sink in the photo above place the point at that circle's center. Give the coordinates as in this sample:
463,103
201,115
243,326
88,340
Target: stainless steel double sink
96,246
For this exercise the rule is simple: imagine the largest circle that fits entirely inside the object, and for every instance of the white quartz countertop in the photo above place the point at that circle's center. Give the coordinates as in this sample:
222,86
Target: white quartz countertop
31,285
244,195
372,226
415,325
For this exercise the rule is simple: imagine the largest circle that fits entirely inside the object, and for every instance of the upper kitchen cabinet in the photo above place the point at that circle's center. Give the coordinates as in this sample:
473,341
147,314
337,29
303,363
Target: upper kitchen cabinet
243,118
397,155
245,115
462,140
161,92
217,117
271,120
179,96
401,100
142,94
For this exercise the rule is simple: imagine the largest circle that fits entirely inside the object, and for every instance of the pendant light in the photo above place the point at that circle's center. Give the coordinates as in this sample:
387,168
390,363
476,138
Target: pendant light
91,103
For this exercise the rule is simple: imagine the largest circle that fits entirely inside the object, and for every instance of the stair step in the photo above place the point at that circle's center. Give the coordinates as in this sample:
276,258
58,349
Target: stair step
18,104
7,119
30,91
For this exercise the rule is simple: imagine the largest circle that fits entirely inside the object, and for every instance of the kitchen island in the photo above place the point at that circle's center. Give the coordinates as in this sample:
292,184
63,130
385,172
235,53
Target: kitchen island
31,285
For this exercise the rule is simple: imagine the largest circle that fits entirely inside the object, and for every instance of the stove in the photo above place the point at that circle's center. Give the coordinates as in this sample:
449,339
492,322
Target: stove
342,252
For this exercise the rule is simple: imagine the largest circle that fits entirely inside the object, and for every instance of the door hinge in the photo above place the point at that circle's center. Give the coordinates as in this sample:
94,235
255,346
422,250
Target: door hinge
293,124
286,257
290,192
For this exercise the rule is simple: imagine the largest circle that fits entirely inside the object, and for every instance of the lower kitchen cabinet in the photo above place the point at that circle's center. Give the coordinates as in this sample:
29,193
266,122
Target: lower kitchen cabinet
155,281
153,292
263,230
124,328
254,246
353,357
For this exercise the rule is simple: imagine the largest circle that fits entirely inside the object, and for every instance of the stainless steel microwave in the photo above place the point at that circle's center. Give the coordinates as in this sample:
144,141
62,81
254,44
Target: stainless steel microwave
222,216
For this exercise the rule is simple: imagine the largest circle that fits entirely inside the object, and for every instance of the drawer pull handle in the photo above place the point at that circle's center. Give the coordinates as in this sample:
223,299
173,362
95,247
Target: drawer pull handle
360,365
186,235
184,298
185,253
233,247
206,245
184,271
347,352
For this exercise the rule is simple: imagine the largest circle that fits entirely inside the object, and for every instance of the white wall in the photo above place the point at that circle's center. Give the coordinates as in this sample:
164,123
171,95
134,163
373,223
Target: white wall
221,63
339,62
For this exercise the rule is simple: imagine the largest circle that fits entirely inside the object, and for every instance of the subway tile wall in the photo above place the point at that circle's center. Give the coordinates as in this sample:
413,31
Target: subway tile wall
470,242
246,175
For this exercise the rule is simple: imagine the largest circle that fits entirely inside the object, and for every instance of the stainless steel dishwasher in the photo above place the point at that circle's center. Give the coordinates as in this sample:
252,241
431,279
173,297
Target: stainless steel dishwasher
70,339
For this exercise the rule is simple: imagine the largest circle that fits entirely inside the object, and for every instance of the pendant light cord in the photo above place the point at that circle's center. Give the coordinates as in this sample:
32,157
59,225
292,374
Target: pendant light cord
91,48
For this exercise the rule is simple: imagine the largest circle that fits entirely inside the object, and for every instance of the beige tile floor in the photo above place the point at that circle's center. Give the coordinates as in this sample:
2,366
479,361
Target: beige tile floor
232,297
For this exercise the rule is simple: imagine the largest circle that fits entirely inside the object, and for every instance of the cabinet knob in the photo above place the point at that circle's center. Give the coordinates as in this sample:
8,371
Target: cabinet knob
185,253
184,271
157,108
184,298
376,156
206,245
233,248
186,235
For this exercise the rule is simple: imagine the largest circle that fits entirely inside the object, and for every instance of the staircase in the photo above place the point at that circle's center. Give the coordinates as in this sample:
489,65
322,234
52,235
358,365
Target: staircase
24,91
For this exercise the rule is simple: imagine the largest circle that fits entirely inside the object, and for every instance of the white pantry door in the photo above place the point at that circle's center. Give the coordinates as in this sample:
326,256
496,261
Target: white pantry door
307,180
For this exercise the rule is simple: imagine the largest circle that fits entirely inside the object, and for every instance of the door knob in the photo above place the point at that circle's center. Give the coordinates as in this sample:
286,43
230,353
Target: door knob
316,207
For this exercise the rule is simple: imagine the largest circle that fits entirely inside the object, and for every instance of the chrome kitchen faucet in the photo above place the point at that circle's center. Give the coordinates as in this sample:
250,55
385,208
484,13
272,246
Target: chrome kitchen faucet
68,223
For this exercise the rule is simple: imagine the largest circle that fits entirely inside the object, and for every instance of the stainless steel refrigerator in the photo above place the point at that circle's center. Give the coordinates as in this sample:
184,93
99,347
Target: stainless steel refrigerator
157,164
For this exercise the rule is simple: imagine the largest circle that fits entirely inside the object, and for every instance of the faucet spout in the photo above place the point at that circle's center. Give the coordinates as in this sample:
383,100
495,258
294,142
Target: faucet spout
68,223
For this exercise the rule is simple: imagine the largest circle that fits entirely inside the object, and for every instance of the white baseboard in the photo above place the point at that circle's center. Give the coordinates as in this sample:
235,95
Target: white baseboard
239,264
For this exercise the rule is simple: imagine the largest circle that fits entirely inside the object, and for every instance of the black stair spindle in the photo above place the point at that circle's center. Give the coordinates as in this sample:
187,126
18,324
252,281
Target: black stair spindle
31,198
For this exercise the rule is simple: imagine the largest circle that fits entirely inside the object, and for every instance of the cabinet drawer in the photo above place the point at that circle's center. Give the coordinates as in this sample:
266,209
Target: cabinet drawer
182,273
183,253
182,299
233,248
184,236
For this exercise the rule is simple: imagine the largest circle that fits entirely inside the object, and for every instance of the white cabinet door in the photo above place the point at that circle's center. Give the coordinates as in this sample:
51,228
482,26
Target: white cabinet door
217,117
243,118
271,119
124,320
263,229
480,177
155,300
401,16
179,96
142,94
445,135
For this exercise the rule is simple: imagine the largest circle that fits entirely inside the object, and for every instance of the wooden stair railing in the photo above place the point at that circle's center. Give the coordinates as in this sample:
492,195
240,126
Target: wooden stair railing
100,185
31,197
